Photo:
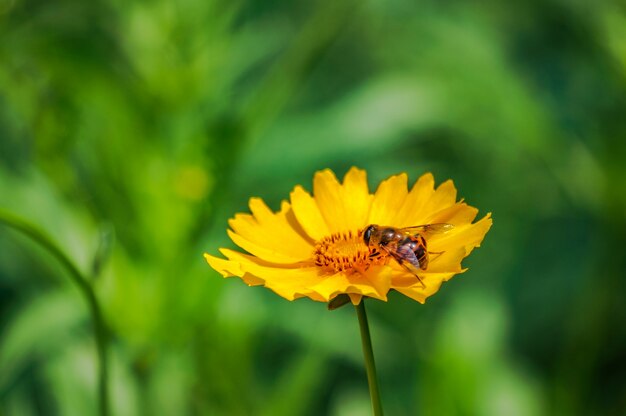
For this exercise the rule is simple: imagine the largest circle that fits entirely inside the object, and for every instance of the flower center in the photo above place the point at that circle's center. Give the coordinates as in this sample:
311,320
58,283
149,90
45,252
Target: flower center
346,251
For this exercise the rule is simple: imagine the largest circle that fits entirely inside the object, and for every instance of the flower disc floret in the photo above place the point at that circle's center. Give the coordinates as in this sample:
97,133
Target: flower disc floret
345,251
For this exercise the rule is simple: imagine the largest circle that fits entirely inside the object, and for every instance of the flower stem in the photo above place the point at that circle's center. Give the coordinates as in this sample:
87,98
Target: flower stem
85,289
368,353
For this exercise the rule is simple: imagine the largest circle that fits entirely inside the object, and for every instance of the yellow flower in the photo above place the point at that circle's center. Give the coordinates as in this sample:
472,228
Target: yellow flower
314,245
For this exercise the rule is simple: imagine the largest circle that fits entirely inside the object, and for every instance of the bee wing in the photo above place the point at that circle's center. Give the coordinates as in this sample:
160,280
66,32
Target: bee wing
408,260
436,228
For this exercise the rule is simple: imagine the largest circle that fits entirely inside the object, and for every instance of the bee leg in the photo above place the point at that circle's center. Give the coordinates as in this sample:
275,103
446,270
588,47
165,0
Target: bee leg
421,281
437,254
413,270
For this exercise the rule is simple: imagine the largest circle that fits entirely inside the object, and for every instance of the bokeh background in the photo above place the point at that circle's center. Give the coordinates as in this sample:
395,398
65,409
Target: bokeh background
130,131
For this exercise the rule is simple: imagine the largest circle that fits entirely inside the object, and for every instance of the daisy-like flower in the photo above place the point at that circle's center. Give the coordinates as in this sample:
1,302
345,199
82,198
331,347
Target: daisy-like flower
314,246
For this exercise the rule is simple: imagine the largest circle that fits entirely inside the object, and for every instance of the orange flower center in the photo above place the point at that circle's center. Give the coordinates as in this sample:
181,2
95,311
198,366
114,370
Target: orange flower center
346,251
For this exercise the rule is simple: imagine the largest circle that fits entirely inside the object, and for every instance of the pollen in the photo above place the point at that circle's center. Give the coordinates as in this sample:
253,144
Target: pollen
345,251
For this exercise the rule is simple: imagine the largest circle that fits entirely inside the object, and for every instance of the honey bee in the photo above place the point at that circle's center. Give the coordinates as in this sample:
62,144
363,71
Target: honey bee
406,245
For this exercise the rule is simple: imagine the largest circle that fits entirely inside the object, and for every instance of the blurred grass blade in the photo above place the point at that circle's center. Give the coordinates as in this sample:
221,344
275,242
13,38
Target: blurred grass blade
85,289
283,79
105,246
42,325
292,394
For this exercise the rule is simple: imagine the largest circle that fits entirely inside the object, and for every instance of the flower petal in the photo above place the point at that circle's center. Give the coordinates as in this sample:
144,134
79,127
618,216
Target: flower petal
229,268
448,261
388,200
343,207
308,214
444,196
379,277
424,200
457,214
328,196
356,198
432,281
420,294
355,299
288,282
468,236
410,213
269,235
374,283
261,252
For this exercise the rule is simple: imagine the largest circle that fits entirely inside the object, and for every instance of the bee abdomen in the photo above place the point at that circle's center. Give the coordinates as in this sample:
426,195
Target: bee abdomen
409,242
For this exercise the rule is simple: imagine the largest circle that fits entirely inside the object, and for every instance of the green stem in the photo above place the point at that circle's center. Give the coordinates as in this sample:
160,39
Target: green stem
368,353
85,289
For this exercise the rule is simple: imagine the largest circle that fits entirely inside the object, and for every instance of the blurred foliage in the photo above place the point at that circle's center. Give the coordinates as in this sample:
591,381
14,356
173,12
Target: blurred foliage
131,131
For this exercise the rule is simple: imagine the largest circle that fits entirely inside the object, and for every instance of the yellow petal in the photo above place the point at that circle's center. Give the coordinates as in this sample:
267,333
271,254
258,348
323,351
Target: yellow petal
229,268
444,196
327,194
343,207
410,213
374,283
289,282
269,235
457,214
419,294
448,261
423,201
432,281
307,213
264,253
356,198
355,299
388,200
468,236
379,277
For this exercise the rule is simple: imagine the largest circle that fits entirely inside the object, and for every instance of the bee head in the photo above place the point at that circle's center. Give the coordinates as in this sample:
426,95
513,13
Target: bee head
367,234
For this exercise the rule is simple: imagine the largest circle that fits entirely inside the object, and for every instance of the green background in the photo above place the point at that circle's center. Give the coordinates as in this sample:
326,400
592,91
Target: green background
130,131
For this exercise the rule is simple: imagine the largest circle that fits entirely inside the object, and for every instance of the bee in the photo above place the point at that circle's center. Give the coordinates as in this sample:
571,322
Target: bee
406,245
